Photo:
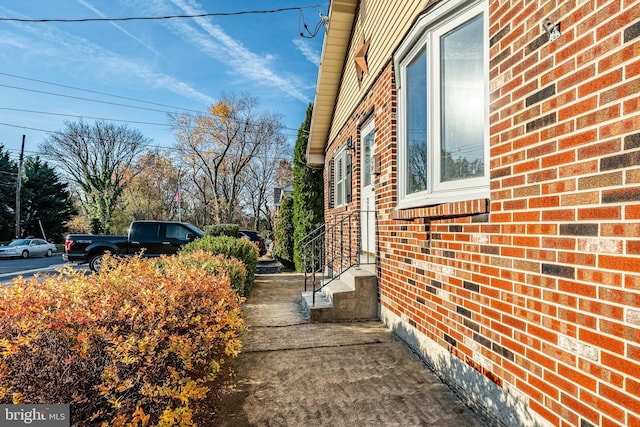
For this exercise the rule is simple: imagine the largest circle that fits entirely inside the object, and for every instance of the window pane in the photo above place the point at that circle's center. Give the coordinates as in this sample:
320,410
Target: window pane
462,102
339,181
367,163
416,93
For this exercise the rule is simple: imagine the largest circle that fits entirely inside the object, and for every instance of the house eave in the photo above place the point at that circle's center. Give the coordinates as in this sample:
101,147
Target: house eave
334,51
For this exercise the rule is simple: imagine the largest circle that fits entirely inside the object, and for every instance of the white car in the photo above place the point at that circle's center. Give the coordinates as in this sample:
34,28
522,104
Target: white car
25,248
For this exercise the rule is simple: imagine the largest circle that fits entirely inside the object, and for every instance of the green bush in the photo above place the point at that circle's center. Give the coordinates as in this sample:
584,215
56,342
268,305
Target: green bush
140,343
230,230
220,265
283,236
308,193
239,249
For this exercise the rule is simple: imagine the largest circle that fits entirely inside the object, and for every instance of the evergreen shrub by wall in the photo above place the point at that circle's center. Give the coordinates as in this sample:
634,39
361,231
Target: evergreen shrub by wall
283,236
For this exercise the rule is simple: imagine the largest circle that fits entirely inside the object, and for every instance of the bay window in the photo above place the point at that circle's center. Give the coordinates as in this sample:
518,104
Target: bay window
442,78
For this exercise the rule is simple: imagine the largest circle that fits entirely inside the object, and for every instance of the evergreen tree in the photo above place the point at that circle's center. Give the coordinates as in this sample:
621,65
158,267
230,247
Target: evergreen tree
308,192
8,174
45,201
283,238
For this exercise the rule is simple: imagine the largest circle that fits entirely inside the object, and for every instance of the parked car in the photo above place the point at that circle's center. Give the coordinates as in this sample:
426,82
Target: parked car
154,237
25,248
254,238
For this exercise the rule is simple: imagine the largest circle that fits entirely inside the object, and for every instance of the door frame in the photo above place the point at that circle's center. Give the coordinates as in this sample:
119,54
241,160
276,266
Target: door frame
367,192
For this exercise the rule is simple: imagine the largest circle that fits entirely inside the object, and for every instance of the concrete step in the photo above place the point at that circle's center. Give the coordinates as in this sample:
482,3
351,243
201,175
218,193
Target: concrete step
268,266
354,296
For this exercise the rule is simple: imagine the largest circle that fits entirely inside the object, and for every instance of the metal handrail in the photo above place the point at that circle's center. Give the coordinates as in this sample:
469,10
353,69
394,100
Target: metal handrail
330,248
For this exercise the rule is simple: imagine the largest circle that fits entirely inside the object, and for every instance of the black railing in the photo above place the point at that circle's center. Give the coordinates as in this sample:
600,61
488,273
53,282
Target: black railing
336,246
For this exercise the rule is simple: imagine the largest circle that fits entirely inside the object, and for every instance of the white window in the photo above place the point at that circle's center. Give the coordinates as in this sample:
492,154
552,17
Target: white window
342,177
442,75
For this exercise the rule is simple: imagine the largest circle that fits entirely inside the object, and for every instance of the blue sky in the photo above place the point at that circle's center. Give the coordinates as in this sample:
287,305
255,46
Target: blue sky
172,65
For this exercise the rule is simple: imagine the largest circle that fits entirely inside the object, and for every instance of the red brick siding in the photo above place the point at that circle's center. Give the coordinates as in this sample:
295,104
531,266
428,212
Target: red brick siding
539,287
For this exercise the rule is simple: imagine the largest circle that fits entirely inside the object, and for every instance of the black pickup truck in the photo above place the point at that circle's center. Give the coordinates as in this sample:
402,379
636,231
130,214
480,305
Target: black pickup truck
155,237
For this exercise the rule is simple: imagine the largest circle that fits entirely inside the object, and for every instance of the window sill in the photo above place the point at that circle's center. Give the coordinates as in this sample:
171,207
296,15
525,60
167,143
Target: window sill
444,210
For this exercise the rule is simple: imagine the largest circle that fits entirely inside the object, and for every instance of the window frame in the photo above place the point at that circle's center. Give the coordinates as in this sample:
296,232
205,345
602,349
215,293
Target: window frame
425,37
339,185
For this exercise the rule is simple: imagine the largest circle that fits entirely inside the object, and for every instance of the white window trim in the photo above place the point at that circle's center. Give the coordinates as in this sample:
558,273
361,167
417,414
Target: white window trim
339,186
447,15
367,128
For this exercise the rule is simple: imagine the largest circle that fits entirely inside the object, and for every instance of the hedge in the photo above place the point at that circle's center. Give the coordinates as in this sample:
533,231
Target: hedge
140,343
229,247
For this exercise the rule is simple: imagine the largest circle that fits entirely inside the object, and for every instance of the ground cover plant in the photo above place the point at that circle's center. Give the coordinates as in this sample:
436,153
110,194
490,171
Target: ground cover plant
143,342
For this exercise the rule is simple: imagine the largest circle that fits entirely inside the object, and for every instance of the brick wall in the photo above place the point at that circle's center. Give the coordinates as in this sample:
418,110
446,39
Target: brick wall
538,289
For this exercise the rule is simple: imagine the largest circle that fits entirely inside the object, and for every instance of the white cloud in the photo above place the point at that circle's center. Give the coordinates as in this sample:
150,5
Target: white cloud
310,53
119,27
220,46
67,51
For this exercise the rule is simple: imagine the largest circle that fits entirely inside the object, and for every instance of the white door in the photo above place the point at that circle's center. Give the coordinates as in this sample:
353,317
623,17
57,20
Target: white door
367,201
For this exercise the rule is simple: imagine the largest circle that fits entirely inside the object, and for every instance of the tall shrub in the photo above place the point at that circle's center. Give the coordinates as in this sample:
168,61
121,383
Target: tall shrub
283,237
308,193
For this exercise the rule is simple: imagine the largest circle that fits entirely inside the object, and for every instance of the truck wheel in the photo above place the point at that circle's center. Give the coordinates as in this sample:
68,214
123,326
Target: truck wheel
95,262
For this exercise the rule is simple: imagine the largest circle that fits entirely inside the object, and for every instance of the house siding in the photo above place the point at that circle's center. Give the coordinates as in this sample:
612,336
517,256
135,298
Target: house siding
528,303
384,25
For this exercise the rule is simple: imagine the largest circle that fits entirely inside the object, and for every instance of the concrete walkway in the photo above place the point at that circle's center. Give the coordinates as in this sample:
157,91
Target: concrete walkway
295,373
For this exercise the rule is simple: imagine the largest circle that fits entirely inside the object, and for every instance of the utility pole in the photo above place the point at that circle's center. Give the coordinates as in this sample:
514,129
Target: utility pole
179,196
18,189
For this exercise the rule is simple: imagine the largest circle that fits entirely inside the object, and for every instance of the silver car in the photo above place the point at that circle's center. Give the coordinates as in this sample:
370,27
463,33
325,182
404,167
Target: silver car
25,248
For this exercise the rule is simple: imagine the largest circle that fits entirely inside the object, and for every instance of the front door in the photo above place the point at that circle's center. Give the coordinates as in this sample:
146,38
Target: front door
367,202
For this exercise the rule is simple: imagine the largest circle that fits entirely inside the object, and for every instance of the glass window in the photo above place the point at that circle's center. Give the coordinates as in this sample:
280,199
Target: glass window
340,177
462,102
416,122
367,154
177,231
442,71
146,230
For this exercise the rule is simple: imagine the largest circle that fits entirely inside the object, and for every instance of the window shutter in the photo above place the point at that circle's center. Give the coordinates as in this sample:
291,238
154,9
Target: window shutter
330,195
347,179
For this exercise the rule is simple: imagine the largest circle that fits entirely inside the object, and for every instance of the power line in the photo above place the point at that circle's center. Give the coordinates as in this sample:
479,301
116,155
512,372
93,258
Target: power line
85,117
101,101
98,92
85,99
156,18
62,133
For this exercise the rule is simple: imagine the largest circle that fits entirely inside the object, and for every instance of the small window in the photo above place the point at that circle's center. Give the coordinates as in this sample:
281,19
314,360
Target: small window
177,231
146,230
342,176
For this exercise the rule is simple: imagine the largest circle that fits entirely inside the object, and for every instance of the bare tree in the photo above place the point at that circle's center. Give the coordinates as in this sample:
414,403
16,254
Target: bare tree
284,175
219,149
153,192
262,178
100,160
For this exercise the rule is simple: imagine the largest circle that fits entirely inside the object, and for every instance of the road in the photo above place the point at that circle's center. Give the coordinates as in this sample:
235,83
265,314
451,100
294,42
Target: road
10,268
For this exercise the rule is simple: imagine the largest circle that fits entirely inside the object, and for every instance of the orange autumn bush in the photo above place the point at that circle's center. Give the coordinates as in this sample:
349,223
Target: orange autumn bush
141,343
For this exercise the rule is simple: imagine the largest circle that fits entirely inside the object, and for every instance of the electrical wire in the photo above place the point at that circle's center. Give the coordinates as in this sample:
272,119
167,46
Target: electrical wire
303,24
156,18
85,117
160,147
85,99
98,92
101,101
